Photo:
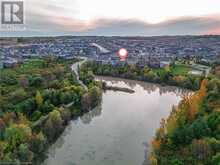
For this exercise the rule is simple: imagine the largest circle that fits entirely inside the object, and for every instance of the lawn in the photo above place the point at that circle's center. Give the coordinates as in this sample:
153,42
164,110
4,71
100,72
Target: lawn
33,64
180,69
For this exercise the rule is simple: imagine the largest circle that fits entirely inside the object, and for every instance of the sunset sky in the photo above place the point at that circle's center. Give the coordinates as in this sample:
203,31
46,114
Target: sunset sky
120,17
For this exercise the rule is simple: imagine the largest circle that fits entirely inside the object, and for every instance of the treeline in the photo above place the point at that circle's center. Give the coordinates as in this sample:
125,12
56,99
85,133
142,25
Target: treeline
191,134
165,76
94,94
37,99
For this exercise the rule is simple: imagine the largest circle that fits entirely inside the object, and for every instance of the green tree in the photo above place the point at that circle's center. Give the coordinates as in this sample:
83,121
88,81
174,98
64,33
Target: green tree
37,142
46,107
53,125
200,128
177,162
36,81
3,147
95,95
27,106
24,154
16,134
36,115
216,159
39,99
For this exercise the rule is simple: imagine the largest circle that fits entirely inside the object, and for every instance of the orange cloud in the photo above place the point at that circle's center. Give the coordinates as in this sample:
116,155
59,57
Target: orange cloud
215,31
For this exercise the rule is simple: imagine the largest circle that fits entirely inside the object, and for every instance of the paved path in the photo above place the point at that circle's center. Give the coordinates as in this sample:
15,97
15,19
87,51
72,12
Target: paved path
75,68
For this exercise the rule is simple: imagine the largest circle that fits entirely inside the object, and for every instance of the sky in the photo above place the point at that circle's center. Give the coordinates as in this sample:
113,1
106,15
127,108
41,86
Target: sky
119,17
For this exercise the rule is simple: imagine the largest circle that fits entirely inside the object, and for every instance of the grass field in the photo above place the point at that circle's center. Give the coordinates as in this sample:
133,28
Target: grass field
32,64
180,69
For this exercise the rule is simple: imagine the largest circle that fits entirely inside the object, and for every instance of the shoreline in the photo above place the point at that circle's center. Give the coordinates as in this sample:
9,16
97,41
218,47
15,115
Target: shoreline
99,78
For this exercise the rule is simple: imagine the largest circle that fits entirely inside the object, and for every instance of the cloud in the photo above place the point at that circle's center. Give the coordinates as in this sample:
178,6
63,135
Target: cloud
215,31
63,25
180,26
139,17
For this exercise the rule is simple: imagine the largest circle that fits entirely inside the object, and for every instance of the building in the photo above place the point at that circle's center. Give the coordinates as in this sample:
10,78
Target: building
164,64
8,41
150,61
10,62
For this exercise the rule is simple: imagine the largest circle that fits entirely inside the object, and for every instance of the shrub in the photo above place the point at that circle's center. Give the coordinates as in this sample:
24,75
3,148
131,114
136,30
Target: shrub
216,159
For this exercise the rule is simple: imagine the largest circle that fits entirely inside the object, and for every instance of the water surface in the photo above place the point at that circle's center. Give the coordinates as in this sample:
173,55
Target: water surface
118,132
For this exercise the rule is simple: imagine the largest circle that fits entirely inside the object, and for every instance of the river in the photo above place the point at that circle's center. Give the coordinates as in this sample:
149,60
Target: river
120,130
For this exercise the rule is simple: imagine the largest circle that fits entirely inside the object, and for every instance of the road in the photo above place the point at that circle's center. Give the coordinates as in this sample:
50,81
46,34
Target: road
102,49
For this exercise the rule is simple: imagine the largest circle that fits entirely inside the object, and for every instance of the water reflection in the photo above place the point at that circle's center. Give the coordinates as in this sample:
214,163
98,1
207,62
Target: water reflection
87,118
148,87
120,130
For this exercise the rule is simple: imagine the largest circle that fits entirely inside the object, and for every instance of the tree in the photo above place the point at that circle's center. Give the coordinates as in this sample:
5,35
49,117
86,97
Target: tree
181,135
27,106
213,123
156,144
9,117
153,159
177,162
196,100
171,124
201,150
18,95
23,80
48,130
3,147
65,114
95,95
37,142
16,134
53,125
35,81
39,99
24,154
46,107
216,159
200,128
8,78
36,115
86,102
8,157
2,128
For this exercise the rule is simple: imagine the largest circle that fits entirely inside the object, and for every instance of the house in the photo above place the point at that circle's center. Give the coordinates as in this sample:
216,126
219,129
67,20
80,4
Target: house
154,62
10,62
142,62
164,64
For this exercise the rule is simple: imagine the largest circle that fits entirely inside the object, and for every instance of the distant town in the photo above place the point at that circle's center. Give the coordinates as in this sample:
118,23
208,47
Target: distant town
152,51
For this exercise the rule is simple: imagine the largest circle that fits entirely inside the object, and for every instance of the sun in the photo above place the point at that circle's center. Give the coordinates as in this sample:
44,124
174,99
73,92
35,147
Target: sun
123,52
